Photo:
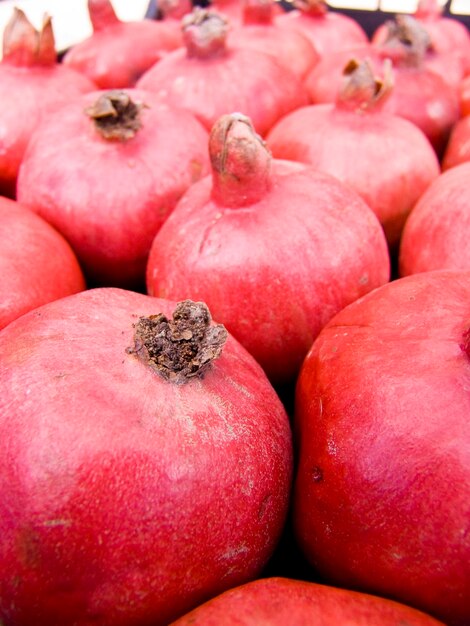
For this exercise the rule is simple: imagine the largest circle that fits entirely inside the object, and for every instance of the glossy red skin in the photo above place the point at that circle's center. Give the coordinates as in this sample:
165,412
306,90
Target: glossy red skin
224,83
437,232
109,198
381,499
127,500
118,55
418,95
281,601
396,165
329,32
458,147
27,95
37,265
276,271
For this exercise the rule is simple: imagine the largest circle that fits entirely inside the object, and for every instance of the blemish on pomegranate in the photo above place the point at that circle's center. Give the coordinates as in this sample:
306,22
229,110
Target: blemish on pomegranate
317,474
264,506
465,345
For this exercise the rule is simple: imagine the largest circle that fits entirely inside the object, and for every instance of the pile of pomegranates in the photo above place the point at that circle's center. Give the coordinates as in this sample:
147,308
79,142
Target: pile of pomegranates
235,318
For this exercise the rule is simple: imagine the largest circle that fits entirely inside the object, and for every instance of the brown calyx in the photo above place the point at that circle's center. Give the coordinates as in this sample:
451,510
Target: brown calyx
241,162
362,90
204,33
115,115
407,40
24,46
181,348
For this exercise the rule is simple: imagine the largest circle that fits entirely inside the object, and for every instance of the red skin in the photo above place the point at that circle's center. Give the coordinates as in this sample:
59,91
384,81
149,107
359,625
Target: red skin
465,96
128,500
458,148
233,9
396,165
281,601
381,499
37,265
275,269
108,197
437,232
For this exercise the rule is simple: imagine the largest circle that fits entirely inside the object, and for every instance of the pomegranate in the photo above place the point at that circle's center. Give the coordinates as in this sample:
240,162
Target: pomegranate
397,163
406,30
281,601
274,248
210,77
381,499
327,30
260,32
458,148
419,95
437,232
37,265
106,170
118,53
32,84
145,464
447,34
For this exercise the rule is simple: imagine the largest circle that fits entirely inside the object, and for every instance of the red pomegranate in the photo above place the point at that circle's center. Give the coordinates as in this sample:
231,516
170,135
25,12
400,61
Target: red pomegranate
386,159
211,77
118,53
420,94
437,232
37,265
329,31
281,601
273,247
382,494
32,85
106,170
145,466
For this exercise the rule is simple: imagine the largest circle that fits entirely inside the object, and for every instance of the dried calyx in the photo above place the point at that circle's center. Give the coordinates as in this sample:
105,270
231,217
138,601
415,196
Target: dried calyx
23,45
407,40
115,115
204,33
241,162
181,348
362,90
